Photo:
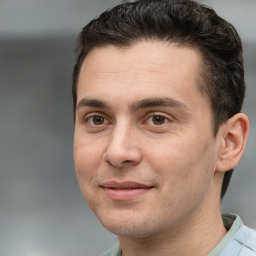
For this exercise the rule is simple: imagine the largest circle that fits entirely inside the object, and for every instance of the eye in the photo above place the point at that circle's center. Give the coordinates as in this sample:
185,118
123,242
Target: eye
96,120
158,120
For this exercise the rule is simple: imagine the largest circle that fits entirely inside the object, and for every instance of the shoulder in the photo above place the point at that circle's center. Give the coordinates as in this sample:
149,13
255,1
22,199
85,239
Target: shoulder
115,250
246,237
243,243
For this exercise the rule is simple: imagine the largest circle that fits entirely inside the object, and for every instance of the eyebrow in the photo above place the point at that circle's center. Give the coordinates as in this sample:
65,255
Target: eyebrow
85,102
156,102
141,104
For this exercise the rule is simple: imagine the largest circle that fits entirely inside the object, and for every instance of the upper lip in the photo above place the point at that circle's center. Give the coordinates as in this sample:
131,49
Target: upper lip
124,185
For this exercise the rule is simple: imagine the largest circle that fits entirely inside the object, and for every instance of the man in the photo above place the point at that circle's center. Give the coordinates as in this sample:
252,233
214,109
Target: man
158,88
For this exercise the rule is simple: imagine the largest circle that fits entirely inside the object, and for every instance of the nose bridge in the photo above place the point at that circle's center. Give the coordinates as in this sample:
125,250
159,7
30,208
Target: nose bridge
123,147
121,133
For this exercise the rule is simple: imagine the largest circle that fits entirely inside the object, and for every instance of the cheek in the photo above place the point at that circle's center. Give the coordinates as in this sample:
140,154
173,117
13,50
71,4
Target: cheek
86,164
182,164
183,176
168,158
87,158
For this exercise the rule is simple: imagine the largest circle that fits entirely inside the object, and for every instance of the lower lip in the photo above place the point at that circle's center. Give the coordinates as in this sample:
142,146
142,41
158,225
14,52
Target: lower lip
125,194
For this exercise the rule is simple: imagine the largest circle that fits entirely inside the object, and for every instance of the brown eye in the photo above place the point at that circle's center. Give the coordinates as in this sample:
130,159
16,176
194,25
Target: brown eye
96,120
158,120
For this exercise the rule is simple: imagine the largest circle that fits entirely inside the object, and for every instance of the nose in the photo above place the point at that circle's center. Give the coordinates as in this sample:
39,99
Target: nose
123,148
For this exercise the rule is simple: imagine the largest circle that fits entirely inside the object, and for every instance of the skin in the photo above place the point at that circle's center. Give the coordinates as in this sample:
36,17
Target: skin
141,119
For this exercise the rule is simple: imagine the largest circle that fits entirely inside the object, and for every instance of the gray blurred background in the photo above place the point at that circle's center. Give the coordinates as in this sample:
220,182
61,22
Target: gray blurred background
41,209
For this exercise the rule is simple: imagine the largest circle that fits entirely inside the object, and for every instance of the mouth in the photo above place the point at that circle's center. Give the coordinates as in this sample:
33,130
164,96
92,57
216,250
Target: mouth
124,191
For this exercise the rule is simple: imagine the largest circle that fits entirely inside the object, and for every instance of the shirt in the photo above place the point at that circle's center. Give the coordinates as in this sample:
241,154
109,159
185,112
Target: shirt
238,241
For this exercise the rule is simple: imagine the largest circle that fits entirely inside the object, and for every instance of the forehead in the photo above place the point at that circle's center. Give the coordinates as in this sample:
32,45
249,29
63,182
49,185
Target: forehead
142,69
150,55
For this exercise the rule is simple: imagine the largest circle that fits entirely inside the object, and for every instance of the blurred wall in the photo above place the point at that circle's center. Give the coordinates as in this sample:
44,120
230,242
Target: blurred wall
41,209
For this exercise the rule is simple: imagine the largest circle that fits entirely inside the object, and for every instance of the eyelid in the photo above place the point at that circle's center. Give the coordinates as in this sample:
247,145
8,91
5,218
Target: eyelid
152,114
93,113
90,120
89,115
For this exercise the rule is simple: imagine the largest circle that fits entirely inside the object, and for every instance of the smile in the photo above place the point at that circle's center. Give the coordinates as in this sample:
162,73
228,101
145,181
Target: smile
125,191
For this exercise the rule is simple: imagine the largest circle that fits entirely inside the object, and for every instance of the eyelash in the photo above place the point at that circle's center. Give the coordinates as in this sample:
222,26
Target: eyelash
162,118
92,118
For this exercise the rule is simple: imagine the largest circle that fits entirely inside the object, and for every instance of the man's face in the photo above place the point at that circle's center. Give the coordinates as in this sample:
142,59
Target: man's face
144,148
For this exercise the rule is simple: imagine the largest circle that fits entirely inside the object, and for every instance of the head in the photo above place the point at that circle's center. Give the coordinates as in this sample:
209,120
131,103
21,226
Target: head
185,23
124,44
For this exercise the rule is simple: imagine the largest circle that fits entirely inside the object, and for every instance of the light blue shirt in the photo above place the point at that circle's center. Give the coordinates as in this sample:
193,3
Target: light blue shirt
239,240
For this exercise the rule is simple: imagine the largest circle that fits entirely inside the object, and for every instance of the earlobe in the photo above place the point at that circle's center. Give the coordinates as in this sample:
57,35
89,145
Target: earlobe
233,135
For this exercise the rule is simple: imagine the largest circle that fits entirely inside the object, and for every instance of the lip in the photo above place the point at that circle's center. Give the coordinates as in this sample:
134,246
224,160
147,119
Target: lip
124,191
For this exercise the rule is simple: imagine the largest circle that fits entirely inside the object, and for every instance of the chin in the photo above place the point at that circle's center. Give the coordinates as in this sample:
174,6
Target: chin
132,228
133,232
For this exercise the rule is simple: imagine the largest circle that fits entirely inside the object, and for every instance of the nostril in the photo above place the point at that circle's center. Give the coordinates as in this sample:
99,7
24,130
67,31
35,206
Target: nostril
126,162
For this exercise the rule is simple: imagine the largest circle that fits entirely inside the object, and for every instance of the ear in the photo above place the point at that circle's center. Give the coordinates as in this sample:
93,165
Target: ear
233,136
